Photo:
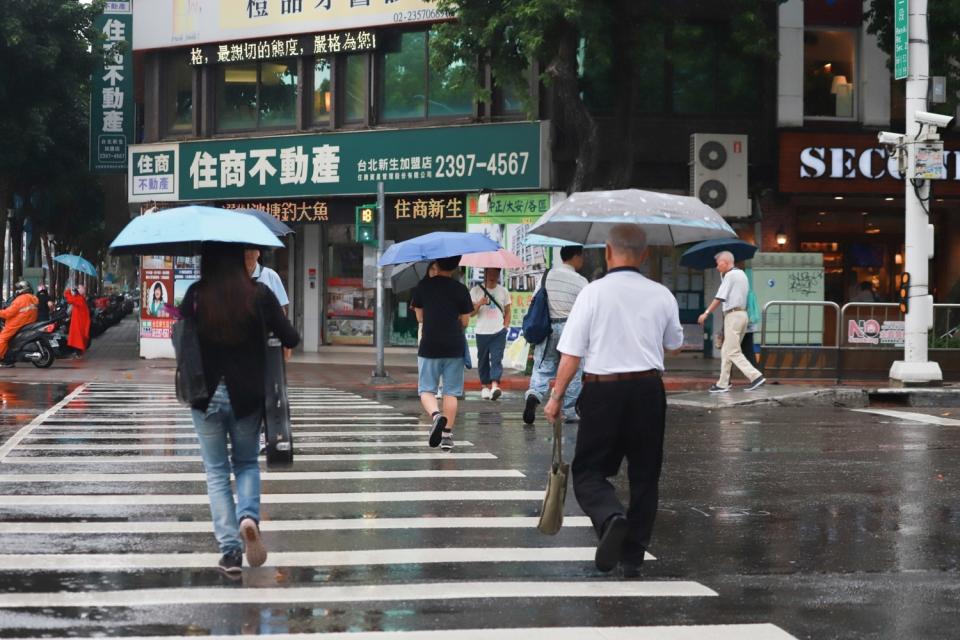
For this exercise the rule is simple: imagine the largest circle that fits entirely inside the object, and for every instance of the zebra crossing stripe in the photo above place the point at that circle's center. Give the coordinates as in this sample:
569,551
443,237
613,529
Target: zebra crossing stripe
330,524
25,431
660,632
445,591
94,435
301,457
265,476
145,499
350,558
171,447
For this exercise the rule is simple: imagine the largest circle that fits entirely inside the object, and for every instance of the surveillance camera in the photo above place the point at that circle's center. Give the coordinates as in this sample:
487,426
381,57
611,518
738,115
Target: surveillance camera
933,119
889,139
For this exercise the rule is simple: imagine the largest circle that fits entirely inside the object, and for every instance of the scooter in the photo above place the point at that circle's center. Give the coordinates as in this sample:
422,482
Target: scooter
35,343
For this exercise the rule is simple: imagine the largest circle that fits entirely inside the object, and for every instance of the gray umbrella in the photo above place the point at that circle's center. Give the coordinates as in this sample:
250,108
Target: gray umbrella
669,220
406,276
278,228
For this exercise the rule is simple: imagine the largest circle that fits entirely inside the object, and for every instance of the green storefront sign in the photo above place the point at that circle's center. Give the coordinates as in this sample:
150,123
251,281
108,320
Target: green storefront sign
508,208
428,160
111,93
901,39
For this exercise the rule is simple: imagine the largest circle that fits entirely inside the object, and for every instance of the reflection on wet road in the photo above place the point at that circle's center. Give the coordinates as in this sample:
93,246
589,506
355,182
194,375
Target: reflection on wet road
104,529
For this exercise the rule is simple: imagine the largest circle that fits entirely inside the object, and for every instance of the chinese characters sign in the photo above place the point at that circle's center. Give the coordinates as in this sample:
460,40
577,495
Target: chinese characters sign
111,99
288,211
901,39
153,170
428,208
178,23
321,44
462,158
509,208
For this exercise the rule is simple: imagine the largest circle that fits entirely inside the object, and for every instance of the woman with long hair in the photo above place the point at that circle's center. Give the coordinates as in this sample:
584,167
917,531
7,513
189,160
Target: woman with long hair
157,301
233,315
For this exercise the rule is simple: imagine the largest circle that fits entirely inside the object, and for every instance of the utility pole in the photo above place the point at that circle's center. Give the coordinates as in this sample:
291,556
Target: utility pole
380,372
915,369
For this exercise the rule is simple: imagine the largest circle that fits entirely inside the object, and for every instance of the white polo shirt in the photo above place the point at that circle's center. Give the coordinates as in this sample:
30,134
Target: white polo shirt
733,290
272,279
622,323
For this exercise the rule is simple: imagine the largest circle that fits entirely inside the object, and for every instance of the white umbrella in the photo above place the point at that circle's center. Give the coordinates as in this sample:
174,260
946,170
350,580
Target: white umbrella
586,218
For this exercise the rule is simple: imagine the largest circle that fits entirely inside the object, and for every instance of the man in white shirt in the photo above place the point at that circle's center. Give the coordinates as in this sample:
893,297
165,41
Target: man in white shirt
491,305
267,276
732,295
563,285
619,328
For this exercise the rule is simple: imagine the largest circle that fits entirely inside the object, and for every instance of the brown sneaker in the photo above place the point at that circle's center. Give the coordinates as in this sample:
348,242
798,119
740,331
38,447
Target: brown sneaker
252,542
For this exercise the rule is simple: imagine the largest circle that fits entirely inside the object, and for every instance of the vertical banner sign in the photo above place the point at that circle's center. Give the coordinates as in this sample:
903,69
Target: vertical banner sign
901,39
111,91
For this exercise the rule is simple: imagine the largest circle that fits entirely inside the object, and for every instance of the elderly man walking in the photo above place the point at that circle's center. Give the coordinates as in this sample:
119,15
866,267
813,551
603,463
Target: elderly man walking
619,327
732,295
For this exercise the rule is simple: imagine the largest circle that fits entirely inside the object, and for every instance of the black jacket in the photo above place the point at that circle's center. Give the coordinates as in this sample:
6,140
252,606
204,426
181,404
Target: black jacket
242,365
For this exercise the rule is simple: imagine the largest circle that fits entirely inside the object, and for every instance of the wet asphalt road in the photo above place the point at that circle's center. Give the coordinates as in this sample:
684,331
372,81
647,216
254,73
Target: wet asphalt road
804,522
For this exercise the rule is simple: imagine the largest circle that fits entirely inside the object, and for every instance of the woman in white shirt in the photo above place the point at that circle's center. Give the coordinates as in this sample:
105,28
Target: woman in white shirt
491,305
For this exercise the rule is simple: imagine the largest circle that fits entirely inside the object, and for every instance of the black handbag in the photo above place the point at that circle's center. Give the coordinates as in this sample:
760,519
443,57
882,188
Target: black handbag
191,385
276,403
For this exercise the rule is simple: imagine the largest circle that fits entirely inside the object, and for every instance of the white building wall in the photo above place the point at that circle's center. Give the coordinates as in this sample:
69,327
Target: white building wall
790,67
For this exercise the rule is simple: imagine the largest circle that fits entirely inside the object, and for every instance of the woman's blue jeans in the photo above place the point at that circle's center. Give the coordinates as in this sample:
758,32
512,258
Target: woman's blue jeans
214,428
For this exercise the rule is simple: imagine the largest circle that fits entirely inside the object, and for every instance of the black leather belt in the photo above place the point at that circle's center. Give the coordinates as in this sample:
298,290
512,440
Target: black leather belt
620,377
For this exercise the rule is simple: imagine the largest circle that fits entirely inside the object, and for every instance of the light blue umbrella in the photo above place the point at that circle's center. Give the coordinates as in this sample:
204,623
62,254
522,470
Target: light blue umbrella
586,218
278,228
76,263
439,244
182,230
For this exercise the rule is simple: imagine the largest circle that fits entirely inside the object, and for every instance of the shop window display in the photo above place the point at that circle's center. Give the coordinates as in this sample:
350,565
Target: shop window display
829,68
257,96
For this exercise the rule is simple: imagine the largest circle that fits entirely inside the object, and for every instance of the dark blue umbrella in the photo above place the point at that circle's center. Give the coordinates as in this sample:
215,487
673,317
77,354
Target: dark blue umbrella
700,255
278,228
439,244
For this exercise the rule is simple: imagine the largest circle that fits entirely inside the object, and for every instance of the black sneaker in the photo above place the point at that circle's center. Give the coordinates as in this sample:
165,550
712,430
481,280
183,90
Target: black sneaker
436,432
610,547
7,365
718,389
446,442
530,409
630,568
231,562
756,384
252,542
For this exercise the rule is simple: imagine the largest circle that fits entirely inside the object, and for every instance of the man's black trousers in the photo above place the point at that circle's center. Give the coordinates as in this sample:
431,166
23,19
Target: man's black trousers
621,419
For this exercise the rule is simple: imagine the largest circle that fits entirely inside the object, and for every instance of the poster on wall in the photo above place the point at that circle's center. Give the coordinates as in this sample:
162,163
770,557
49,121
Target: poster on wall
156,291
507,220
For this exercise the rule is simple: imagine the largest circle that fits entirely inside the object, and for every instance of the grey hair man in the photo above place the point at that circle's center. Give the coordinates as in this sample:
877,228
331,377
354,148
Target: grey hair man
619,327
732,298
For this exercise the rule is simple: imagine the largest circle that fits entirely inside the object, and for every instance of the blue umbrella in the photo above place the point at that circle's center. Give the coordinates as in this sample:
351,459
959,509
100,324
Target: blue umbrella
76,263
278,228
182,230
700,255
439,244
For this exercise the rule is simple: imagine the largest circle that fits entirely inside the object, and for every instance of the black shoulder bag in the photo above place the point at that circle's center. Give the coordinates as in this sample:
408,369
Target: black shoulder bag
191,384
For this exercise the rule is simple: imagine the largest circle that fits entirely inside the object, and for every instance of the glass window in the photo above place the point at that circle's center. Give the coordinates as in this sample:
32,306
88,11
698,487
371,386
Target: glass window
237,97
451,92
354,88
321,92
828,73
278,94
257,95
405,78
178,94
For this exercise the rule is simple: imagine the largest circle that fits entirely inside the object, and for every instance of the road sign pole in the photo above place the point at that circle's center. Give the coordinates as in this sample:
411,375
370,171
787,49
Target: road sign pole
915,369
380,373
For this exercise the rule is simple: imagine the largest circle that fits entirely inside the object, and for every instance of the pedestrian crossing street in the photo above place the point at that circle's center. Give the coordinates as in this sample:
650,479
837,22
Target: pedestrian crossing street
105,529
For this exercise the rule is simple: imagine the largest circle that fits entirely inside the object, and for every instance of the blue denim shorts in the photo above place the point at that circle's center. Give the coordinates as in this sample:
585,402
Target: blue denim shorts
433,370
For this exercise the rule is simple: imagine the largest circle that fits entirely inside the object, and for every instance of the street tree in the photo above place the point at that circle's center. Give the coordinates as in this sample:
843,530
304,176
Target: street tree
506,36
49,49
943,31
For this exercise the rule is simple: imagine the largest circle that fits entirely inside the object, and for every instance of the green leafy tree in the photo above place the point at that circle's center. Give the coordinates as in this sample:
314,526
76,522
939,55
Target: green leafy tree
943,33
49,49
506,35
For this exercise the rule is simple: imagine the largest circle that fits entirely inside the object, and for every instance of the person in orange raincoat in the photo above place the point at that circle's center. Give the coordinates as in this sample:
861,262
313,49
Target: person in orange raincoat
79,320
21,312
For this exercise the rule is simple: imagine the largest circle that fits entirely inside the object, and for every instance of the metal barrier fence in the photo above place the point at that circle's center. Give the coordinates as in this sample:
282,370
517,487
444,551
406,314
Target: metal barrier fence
861,339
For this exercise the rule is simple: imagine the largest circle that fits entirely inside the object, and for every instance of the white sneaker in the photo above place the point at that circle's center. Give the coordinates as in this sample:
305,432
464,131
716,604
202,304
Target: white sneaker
495,393
485,393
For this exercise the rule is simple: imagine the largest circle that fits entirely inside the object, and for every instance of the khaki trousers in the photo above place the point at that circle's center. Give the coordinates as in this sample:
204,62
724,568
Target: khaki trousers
734,324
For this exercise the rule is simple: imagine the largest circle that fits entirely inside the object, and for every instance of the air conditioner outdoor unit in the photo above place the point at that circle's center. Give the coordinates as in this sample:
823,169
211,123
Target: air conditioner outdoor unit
718,172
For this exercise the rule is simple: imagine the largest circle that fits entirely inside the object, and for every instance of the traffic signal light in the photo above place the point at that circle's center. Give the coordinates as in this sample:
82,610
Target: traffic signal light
904,293
366,224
